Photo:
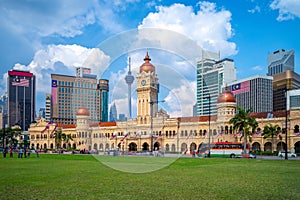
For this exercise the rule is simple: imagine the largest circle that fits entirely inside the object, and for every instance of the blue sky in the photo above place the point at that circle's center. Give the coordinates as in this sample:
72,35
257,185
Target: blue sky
55,36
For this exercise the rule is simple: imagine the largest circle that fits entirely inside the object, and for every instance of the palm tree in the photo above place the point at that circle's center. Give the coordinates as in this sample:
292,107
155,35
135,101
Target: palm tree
67,138
244,123
59,136
271,131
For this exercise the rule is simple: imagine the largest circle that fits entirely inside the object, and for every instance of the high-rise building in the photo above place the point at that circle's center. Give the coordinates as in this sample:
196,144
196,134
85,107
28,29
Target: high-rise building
280,61
69,93
113,115
129,80
212,75
104,89
42,113
293,100
3,111
122,117
255,93
21,98
48,107
287,80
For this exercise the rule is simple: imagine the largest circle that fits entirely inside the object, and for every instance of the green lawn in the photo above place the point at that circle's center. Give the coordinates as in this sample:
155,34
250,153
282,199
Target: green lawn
84,177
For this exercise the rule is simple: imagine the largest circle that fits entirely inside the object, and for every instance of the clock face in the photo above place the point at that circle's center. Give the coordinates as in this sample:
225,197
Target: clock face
143,82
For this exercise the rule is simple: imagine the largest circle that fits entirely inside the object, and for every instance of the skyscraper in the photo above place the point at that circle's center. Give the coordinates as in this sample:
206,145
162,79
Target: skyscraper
282,82
48,107
104,89
280,61
129,80
254,93
212,75
21,98
42,113
3,111
69,93
113,115
293,100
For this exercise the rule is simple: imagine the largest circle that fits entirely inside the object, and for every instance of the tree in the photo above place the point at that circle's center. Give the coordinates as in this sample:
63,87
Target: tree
61,137
244,123
58,136
271,131
67,138
8,136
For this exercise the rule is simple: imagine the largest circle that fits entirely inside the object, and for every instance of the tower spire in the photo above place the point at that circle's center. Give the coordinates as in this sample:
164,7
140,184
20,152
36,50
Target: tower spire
129,80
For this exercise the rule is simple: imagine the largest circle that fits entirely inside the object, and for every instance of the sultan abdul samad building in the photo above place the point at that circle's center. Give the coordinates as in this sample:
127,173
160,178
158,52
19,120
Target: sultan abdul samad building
169,134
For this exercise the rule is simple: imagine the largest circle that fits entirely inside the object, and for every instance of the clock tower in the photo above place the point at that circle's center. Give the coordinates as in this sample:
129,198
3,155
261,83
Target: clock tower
147,91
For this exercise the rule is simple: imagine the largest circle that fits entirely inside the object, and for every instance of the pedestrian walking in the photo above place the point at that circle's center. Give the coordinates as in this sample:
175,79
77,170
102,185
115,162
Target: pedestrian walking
11,152
29,153
21,153
4,152
25,152
37,153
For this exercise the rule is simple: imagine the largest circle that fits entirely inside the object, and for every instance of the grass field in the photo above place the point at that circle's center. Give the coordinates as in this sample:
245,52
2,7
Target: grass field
84,177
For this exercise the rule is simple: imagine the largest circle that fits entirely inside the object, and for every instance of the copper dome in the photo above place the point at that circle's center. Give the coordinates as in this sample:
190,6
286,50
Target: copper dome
147,66
226,96
83,111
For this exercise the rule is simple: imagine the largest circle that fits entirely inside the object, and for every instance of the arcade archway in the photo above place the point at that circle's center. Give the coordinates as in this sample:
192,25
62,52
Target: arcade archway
280,146
297,147
193,146
145,146
156,146
268,146
255,146
132,146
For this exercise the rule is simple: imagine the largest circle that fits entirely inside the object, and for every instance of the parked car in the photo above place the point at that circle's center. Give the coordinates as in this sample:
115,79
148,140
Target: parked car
289,154
253,156
250,155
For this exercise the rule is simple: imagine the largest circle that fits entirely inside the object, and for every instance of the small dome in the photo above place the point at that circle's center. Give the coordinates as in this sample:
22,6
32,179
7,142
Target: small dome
83,111
226,96
147,66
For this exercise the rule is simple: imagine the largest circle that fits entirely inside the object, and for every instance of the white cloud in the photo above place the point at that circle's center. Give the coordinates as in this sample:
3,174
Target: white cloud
181,99
62,59
209,27
257,68
288,9
256,9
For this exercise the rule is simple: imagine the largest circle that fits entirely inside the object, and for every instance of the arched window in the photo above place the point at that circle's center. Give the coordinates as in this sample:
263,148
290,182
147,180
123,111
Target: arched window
95,146
167,147
173,147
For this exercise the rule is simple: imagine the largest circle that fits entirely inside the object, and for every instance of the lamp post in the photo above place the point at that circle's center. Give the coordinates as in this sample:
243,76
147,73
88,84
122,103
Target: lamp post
140,138
209,125
209,99
286,125
151,121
